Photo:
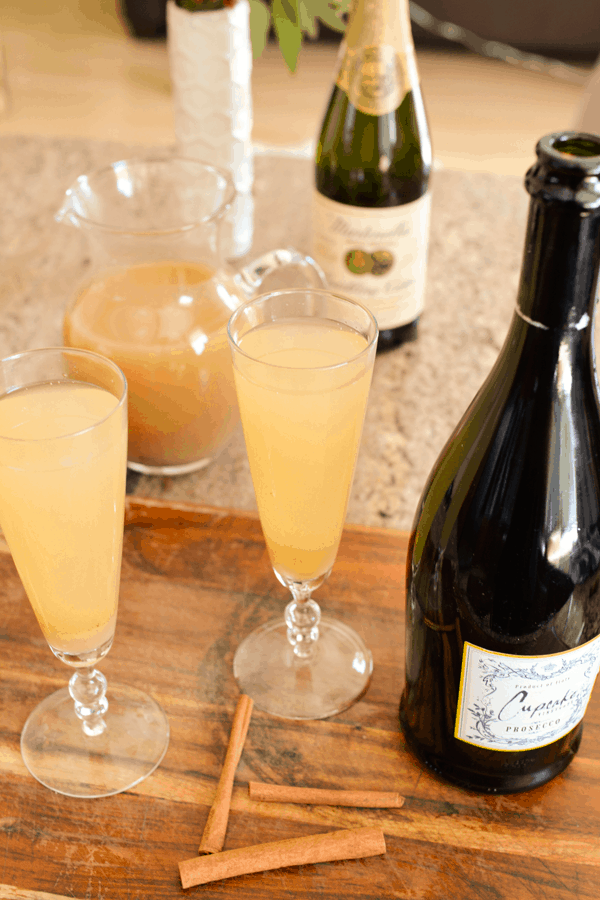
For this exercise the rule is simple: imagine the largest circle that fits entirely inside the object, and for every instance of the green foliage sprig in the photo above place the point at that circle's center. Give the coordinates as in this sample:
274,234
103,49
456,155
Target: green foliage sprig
293,20
199,5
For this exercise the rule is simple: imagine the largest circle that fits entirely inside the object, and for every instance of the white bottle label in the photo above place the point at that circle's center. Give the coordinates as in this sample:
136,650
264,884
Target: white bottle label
510,702
375,256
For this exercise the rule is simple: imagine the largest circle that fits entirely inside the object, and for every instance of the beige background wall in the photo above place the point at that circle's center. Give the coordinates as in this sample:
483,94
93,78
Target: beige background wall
75,71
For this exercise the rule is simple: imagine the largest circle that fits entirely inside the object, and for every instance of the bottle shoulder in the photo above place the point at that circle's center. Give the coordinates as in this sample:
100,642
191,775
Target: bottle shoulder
373,161
510,518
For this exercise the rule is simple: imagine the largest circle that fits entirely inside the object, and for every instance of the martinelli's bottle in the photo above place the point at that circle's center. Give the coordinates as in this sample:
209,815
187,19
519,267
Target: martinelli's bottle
503,575
371,203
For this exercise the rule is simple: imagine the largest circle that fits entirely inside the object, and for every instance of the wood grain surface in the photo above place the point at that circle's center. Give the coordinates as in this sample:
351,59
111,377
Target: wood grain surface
194,582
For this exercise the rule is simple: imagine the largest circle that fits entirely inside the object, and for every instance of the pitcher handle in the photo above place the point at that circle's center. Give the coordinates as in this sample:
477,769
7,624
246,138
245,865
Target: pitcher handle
308,275
71,212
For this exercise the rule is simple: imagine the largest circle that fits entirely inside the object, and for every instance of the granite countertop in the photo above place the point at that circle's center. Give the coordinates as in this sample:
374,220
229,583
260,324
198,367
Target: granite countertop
419,390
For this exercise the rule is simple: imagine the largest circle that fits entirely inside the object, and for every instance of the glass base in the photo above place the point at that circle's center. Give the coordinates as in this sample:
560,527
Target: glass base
336,675
58,753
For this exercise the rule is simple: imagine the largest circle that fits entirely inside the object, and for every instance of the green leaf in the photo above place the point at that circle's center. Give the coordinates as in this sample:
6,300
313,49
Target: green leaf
289,33
330,13
289,9
199,5
260,20
307,19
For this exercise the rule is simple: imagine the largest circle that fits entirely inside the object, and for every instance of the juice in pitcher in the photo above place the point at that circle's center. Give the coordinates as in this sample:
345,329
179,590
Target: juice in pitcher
164,324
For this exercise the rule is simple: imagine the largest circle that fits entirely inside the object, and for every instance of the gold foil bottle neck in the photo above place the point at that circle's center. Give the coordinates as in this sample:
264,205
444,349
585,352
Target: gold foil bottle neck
377,65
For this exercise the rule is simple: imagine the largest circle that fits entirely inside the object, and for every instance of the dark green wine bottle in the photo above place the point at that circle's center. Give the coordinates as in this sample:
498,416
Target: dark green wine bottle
371,203
503,571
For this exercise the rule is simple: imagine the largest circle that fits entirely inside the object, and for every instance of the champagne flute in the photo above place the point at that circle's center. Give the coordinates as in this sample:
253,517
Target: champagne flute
63,448
303,361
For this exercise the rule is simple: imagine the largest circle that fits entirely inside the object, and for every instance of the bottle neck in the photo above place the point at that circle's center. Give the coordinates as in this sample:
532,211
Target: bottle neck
377,56
562,246
373,23
560,267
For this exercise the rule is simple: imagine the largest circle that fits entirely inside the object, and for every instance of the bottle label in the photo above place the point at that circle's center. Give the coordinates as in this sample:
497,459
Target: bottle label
510,702
377,57
376,256
374,78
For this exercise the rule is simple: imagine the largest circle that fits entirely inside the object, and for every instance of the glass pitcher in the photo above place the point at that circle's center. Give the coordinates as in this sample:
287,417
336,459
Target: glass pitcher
158,297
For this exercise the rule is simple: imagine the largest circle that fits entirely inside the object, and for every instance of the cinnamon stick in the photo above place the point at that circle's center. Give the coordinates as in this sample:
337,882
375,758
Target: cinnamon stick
350,843
285,793
213,836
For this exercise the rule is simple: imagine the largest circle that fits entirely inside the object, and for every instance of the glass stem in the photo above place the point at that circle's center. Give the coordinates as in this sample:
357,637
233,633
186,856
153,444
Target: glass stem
88,690
302,616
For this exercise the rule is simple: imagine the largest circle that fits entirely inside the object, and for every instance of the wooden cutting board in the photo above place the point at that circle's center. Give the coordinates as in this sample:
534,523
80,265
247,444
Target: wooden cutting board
195,581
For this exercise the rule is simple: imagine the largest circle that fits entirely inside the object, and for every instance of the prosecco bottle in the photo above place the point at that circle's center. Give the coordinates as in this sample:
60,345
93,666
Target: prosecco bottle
503,574
371,201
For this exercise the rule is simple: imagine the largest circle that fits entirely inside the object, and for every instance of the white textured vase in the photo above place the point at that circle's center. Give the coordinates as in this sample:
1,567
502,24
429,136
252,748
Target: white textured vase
210,59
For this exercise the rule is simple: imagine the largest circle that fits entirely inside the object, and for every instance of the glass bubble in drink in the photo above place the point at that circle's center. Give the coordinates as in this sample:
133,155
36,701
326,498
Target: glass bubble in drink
303,361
